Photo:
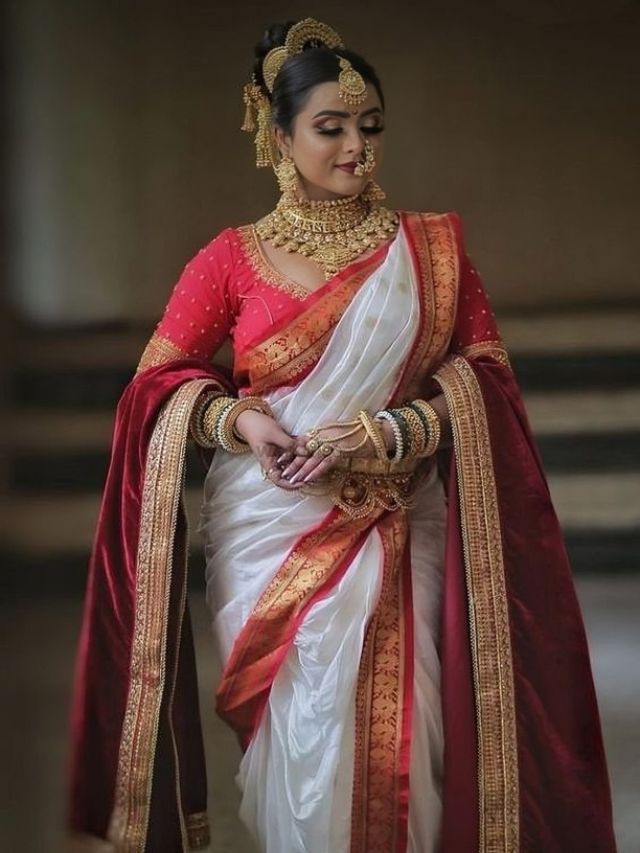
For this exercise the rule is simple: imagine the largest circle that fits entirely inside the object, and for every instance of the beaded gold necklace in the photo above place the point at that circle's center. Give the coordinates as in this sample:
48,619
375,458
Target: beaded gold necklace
331,233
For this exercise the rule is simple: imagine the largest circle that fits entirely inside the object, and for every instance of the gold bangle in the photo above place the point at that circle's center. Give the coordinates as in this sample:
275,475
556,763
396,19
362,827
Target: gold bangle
374,432
417,431
228,437
200,421
435,428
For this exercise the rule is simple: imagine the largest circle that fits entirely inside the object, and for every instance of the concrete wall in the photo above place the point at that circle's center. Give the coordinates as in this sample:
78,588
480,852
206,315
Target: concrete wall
126,154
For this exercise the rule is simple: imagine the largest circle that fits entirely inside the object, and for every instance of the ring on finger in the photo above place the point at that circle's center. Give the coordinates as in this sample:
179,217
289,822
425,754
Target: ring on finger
312,445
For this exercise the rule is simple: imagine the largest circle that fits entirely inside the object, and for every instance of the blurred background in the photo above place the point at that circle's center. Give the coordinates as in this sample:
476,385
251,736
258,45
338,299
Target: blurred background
123,156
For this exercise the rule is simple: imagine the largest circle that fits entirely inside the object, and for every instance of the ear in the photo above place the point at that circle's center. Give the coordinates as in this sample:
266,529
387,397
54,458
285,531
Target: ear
283,141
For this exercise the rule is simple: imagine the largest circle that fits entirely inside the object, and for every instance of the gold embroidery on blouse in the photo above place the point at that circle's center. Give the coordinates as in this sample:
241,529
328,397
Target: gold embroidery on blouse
159,350
262,266
161,505
495,349
489,629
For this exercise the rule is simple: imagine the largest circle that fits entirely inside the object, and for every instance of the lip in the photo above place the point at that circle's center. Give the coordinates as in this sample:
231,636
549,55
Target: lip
347,167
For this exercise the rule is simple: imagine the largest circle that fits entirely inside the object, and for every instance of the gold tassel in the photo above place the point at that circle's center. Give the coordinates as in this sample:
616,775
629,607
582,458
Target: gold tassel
264,153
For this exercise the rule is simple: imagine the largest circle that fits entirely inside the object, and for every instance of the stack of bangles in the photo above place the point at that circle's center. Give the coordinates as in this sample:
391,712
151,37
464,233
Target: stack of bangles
214,417
416,429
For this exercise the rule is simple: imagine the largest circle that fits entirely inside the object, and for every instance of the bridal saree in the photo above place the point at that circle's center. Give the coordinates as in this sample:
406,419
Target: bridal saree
407,671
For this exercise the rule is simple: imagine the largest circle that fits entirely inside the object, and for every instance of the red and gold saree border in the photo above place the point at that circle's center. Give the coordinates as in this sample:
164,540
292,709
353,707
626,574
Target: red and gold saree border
490,635
283,357
434,252
384,703
315,564
161,504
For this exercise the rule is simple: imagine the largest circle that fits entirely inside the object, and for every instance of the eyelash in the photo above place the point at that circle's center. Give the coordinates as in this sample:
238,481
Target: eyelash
337,130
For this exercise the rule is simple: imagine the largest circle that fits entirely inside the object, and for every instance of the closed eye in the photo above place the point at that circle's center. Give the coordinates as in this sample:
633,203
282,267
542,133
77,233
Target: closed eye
335,131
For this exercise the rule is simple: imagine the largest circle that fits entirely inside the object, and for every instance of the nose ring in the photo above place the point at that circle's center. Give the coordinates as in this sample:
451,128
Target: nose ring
368,164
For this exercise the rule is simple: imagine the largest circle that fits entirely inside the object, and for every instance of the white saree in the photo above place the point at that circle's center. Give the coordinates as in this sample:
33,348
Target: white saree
297,773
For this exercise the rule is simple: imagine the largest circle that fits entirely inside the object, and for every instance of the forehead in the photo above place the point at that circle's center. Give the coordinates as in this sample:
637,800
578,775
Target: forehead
325,96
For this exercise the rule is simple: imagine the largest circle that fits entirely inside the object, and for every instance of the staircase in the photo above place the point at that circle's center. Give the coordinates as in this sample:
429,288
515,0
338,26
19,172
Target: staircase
580,373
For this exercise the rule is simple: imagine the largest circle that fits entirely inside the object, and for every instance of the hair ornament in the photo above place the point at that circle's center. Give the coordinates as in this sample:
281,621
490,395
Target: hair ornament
352,88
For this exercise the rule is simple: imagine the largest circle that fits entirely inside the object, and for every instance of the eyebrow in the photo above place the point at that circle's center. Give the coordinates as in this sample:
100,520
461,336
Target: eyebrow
338,114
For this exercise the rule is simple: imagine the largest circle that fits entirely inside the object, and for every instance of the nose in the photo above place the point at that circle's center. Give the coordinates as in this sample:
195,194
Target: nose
354,142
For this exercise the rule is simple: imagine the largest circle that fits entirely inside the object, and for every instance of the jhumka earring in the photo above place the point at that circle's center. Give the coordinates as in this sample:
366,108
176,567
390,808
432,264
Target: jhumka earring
287,176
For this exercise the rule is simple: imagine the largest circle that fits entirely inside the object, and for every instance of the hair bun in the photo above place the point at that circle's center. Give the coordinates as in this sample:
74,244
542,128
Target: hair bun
274,36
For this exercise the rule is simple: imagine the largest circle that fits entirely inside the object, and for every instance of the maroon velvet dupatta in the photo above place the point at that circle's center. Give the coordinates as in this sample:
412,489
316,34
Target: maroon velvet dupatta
137,769
524,763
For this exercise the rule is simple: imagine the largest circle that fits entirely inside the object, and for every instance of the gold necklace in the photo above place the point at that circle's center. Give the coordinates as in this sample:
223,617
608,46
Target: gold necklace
331,233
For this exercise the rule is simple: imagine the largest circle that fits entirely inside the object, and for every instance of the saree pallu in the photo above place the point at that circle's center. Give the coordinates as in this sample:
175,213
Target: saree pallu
412,679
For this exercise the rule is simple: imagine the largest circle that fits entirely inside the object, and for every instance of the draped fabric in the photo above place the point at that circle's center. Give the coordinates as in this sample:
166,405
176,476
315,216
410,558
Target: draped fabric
413,680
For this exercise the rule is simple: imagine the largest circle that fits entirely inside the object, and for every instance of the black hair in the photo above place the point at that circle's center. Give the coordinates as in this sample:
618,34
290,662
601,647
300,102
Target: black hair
299,74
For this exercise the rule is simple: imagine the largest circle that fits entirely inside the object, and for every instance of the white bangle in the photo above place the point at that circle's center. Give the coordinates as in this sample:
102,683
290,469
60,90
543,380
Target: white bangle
385,415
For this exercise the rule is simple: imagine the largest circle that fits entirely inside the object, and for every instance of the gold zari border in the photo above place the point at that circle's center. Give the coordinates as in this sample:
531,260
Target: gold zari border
494,349
159,350
488,611
436,256
164,472
380,695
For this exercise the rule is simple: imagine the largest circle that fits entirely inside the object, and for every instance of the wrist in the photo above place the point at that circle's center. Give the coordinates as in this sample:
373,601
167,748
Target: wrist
388,436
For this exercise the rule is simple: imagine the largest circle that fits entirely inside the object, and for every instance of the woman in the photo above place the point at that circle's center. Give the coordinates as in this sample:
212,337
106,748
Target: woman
404,658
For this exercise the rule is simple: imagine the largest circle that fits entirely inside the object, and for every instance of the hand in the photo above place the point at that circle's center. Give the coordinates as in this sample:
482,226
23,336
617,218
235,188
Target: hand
270,444
305,468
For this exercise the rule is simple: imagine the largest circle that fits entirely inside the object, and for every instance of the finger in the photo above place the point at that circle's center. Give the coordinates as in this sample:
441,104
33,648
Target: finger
325,465
294,466
310,465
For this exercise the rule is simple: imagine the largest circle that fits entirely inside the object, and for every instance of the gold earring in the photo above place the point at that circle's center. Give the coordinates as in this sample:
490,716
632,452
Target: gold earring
287,176
373,192
369,162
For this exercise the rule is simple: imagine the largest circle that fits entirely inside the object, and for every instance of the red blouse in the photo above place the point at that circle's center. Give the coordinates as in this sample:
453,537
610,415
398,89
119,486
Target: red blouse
231,290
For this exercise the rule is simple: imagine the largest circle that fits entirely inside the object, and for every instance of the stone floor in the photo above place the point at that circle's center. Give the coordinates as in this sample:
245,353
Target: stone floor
39,639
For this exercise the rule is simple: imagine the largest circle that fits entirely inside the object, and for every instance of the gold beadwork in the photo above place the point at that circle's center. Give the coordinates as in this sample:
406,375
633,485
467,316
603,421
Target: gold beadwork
369,162
228,437
331,233
435,429
351,86
287,176
374,433
271,65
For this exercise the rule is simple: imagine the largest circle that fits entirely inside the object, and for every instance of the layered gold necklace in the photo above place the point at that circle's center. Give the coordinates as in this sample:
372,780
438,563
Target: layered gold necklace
330,233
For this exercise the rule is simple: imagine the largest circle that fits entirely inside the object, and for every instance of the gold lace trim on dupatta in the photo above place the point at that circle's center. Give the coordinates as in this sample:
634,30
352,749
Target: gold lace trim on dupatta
489,629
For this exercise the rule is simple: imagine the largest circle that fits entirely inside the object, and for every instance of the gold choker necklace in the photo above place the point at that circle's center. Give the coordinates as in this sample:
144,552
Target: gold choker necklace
331,233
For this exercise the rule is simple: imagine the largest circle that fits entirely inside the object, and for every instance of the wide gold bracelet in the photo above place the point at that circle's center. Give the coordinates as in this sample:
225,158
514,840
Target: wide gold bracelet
228,438
374,431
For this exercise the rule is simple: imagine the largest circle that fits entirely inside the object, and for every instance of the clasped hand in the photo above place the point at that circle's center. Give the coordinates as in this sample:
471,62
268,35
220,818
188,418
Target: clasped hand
286,460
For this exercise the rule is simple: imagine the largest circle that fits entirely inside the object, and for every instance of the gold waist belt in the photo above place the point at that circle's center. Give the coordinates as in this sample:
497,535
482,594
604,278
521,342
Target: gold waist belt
361,486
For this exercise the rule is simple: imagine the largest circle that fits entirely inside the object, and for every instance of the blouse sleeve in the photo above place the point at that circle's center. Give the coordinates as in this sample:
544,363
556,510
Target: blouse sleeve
476,332
201,309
